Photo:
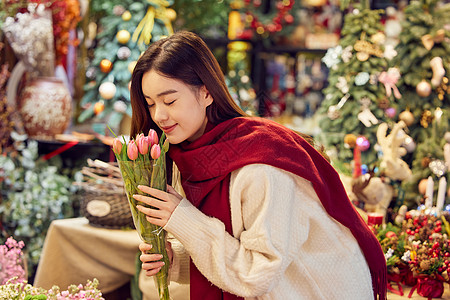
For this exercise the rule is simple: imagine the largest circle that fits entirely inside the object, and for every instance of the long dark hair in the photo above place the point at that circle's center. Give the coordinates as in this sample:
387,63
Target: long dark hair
183,56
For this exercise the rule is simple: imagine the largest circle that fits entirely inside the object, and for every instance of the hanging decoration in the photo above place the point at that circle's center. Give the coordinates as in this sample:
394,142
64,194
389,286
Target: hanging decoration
443,89
390,79
429,40
270,23
423,88
437,67
158,9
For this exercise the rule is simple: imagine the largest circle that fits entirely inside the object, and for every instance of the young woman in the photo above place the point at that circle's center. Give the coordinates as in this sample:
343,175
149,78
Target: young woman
265,215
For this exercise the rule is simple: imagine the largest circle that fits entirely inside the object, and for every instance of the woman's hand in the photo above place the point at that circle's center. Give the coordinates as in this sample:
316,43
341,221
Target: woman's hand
151,262
163,204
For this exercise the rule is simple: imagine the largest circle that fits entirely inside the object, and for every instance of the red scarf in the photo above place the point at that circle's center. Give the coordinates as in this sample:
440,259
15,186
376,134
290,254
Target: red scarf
206,164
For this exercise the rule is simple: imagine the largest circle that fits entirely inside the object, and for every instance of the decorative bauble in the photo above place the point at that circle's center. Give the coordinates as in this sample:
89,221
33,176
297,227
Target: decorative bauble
378,38
350,140
118,10
91,72
423,186
363,143
123,52
409,144
425,162
99,106
426,118
333,112
120,106
362,56
438,167
171,14
45,106
107,90
106,65
131,66
407,117
123,36
423,88
390,112
126,16
383,103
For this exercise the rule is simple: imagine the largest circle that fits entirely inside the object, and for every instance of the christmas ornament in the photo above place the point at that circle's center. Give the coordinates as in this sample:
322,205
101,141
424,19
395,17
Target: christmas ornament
123,36
383,103
342,84
428,40
99,106
347,54
118,10
390,79
390,112
409,144
423,88
106,66
423,186
123,52
333,112
365,102
120,106
438,167
91,72
425,162
438,70
407,117
107,90
350,140
447,150
367,117
442,89
131,66
363,46
362,56
378,38
171,14
362,78
363,143
332,57
126,16
389,52
426,119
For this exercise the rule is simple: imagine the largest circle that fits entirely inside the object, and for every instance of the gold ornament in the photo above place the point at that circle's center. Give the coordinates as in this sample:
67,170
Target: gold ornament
99,107
106,66
378,38
368,48
423,88
423,186
426,119
362,56
171,14
428,40
131,66
407,117
126,16
443,89
350,140
123,36
425,162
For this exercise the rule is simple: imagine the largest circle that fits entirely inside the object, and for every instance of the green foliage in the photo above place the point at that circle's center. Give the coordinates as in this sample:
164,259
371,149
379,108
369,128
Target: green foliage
34,193
357,26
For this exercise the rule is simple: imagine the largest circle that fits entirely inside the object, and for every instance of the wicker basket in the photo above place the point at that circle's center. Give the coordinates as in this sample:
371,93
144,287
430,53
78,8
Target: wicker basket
107,208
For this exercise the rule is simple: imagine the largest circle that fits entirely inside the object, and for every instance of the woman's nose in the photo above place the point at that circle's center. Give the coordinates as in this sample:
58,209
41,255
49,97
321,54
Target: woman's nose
160,113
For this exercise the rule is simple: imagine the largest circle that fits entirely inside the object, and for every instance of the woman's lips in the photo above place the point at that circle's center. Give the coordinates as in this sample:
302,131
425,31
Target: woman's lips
169,128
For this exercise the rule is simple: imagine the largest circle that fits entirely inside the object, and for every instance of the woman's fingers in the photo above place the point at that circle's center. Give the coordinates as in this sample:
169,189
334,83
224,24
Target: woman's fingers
150,262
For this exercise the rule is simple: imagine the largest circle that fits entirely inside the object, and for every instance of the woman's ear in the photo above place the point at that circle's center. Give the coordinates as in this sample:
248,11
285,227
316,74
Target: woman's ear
206,96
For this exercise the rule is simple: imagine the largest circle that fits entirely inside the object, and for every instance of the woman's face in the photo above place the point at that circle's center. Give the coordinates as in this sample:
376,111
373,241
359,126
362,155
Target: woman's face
176,108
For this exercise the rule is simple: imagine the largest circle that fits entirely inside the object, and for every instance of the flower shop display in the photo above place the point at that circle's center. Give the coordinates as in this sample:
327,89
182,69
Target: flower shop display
14,290
33,193
417,252
142,162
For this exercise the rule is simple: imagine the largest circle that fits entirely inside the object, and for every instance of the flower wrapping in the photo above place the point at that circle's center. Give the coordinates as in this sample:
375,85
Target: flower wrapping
429,287
142,162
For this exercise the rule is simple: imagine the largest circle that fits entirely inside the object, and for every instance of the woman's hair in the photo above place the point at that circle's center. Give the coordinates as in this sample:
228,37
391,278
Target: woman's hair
183,56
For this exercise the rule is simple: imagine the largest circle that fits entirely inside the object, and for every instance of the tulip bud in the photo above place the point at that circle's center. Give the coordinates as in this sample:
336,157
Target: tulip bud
142,144
117,146
153,137
156,151
132,150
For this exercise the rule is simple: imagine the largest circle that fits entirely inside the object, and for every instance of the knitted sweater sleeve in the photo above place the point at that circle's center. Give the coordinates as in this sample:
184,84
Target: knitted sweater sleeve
267,232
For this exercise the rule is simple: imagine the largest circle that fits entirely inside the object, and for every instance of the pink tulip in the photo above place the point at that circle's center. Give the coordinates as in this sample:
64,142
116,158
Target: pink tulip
156,151
142,144
153,137
117,146
132,150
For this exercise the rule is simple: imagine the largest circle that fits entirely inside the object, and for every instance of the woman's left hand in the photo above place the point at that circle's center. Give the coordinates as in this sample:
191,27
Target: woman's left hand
163,204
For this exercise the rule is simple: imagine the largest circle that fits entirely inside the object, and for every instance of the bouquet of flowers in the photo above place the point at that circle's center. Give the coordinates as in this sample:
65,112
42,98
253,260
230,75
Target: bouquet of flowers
142,162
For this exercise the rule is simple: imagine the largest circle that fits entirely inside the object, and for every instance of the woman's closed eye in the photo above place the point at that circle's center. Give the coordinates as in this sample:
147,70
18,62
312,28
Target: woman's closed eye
170,102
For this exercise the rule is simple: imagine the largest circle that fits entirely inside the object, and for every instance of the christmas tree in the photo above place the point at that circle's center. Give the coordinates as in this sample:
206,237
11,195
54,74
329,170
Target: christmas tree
424,63
124,33
356,101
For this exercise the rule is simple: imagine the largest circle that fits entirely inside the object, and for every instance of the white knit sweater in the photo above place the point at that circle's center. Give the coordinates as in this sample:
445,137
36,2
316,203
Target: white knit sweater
284,245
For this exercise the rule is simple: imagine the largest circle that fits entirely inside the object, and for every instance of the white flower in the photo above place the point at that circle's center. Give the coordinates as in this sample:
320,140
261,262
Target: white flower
406,256
388,254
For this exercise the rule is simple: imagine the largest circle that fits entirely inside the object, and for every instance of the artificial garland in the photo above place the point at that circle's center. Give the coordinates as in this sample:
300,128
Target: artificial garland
272,22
